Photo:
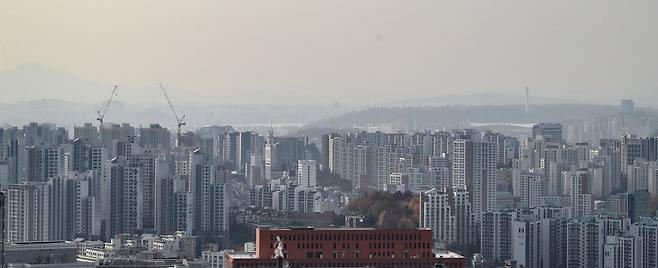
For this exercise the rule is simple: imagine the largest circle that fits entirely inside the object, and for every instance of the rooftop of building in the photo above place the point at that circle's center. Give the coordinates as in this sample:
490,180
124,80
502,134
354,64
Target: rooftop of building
241,255
41,245
301,228
447,255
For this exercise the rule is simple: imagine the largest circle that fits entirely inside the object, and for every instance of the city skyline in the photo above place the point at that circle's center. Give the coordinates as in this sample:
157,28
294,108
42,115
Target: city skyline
428,197
362,133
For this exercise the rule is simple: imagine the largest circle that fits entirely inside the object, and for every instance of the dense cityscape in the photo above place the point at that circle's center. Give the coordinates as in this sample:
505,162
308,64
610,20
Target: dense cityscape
329,134
116,195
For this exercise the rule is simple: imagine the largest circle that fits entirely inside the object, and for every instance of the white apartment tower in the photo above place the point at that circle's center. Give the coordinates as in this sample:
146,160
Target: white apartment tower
462,166
532,188
305,200
576,184
436,214
306,176
484,178
474,169
28,213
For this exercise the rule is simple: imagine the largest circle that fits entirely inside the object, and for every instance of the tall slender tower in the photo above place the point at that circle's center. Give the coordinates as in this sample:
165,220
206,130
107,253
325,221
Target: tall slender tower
527,97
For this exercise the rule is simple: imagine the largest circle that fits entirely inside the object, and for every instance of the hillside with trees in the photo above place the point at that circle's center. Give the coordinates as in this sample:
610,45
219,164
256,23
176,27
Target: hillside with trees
382,209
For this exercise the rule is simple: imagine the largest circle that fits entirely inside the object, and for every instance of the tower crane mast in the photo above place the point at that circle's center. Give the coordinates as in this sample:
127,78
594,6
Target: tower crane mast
103,109
179,118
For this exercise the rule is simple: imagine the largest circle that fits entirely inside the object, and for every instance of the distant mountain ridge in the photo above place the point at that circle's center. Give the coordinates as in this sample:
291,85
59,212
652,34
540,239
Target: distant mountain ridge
479,99
35,81
34,92
436,117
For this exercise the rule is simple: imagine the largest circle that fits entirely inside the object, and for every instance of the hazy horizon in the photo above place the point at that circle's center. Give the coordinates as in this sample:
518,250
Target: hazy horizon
300,52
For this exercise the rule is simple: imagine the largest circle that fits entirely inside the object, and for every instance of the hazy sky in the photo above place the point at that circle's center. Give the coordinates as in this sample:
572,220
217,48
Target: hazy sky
325,51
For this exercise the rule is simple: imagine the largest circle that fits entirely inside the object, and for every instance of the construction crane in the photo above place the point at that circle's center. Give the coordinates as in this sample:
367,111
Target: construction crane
103,109
179,119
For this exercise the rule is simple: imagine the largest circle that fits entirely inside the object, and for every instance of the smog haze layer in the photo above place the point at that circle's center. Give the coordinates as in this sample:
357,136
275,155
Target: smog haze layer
312,52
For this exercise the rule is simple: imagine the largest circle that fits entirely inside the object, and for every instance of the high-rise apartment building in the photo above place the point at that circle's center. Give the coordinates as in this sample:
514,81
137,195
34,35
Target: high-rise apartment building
306,173
110,133
155,137
87,133
584,244
282,153
631,148
465,225
577,186
550,132
436,213
124,213
531,187
529,243
619,252
209,196
462,164
28,212
148,172
496,236
474,167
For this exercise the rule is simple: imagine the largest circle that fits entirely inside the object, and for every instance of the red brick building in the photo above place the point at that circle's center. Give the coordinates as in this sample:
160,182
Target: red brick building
344,247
